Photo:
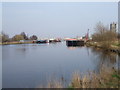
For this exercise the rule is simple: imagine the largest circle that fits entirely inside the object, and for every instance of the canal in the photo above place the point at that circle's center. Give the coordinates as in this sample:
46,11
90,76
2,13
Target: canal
32,65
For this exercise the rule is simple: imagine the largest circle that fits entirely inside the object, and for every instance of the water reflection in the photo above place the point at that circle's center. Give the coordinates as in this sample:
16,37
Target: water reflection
99,57
74,47
22,50
103,57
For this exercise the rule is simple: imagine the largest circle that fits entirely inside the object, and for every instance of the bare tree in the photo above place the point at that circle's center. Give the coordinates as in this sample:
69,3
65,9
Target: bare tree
33,37
24,35
104,35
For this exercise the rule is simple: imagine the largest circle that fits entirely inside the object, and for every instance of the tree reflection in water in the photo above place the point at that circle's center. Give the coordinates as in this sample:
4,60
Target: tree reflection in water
104,57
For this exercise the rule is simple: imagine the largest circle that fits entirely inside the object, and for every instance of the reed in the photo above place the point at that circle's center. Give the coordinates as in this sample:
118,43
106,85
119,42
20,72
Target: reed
107,78
55,84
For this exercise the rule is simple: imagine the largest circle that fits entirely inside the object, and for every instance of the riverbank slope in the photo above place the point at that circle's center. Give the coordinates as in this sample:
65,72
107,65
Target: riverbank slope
113,47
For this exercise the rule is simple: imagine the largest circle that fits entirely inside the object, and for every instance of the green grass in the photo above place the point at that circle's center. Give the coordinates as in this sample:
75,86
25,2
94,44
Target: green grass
116,76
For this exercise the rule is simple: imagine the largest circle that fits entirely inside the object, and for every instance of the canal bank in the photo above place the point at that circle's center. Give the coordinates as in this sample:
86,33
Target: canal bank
16,42
111,48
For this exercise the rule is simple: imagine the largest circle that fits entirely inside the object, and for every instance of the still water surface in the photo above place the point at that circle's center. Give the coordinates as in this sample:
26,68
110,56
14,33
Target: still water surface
32,65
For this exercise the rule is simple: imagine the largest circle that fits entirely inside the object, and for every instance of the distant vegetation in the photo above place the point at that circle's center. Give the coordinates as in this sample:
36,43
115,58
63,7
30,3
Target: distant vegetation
22,36
17,38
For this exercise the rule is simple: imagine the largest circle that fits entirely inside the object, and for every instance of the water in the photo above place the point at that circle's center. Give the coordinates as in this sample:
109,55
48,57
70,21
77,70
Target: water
32,65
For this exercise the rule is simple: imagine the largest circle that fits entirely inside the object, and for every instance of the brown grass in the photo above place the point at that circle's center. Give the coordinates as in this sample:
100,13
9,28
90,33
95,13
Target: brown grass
55,84
104,79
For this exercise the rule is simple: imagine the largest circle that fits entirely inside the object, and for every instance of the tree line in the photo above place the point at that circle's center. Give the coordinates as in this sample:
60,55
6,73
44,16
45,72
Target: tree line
22,36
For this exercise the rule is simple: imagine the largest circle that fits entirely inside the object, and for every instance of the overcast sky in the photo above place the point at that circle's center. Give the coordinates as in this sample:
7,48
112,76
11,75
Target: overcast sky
56,19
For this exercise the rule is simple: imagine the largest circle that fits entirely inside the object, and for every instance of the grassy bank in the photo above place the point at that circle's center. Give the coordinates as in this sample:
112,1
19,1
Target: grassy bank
110,46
